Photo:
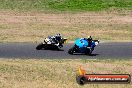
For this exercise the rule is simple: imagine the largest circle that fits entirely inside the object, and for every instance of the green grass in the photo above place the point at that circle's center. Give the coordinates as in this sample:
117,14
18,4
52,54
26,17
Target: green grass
64,5
33,25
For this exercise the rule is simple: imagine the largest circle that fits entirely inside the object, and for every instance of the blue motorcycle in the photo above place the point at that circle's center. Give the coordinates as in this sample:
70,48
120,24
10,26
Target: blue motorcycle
83,46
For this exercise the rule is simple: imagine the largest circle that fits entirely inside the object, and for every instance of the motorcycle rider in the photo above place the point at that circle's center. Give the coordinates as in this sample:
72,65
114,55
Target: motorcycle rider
89,39
53,39
58,38
91,42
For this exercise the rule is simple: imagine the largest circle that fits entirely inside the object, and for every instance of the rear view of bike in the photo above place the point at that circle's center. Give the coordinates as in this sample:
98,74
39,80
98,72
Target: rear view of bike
51,43
83,46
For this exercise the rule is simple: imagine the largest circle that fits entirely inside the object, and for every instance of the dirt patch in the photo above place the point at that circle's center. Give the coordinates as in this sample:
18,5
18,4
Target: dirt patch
65,19
31,26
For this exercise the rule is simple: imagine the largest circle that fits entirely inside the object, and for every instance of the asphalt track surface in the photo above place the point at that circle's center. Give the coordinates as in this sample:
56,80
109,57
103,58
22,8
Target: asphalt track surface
103,50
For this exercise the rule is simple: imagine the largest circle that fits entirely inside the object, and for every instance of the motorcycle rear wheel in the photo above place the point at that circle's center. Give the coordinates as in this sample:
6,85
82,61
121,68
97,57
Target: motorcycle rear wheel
88,51
40,46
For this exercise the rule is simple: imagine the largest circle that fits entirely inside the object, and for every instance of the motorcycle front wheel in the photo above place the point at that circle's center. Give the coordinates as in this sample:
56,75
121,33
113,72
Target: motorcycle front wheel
71,51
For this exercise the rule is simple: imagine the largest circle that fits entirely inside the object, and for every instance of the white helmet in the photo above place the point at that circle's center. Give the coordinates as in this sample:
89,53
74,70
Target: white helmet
58,34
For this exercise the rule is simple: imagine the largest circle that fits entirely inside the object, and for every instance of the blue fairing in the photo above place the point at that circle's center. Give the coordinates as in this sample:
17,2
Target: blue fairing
81,42
93,44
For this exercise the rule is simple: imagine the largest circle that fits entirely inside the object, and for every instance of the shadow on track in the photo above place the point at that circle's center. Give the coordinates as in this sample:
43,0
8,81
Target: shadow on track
85,54
51,50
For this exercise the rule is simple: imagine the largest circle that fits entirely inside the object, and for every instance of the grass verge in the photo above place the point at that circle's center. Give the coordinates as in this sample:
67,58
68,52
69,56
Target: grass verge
32,26
64,5
45,73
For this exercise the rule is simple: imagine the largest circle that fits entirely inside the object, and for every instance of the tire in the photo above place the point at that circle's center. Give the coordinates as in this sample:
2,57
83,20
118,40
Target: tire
70,51
39,47
81,80
88,51
58,49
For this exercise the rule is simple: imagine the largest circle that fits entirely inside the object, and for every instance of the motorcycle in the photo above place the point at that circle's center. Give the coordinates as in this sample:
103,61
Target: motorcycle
49,44
83,46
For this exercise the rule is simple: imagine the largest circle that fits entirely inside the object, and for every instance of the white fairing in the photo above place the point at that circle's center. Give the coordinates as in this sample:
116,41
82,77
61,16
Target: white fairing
96,43
57,44
48,40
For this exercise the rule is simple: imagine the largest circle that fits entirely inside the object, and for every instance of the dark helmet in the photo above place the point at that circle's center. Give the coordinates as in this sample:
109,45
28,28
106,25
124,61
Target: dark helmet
89,38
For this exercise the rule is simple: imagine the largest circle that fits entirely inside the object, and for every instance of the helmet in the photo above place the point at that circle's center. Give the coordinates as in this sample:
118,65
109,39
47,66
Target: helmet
89,38
58,35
